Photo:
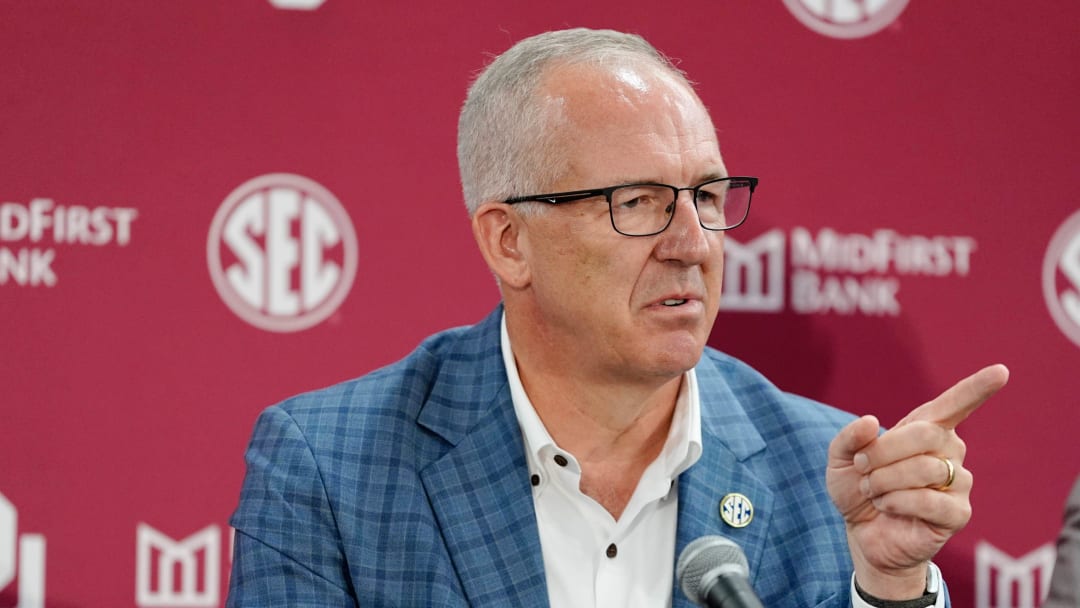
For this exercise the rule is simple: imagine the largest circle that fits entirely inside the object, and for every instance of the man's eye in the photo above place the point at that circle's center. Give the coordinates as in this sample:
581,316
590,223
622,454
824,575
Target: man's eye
637,198
709,197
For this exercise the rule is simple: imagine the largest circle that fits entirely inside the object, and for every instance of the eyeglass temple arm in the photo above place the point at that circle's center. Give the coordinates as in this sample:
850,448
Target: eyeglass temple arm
556,199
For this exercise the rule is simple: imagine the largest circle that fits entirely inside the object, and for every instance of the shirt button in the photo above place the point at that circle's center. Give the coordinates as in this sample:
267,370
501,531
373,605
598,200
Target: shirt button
561,460
535,479
612,550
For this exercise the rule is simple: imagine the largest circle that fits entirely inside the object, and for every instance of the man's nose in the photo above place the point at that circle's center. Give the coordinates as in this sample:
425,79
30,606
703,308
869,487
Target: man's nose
685,240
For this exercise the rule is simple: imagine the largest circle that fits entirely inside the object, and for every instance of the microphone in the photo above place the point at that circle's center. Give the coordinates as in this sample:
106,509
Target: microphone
713,572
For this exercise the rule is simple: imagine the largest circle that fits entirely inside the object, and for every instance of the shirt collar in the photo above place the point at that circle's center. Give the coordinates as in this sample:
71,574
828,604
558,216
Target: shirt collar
681,449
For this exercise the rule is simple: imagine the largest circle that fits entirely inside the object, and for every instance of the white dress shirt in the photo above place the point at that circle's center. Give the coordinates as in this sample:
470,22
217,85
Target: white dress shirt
590,559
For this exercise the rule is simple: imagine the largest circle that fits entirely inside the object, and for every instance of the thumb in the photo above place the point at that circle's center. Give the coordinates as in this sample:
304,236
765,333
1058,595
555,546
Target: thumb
851,439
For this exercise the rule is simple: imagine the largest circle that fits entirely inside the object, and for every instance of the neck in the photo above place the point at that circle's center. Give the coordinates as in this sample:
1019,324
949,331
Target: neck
584,399
613,438
614,426
595,421
615,422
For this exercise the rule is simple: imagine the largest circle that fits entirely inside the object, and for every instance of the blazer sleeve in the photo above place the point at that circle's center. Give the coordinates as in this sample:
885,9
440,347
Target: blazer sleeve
287,551
1065,581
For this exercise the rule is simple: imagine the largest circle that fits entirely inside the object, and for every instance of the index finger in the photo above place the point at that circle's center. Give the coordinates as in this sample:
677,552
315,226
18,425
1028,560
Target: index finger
961,399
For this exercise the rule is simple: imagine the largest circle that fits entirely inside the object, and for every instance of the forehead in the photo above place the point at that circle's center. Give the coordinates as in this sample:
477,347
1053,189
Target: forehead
629,120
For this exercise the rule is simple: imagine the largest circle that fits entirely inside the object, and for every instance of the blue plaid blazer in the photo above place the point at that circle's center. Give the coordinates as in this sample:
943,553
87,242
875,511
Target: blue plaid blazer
409,487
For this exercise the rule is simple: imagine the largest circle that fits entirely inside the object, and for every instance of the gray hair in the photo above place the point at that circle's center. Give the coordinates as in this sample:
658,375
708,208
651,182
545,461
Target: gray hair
507,132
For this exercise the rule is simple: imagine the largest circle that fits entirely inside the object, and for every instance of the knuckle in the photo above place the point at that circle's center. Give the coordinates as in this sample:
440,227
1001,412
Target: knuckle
961,448
964,513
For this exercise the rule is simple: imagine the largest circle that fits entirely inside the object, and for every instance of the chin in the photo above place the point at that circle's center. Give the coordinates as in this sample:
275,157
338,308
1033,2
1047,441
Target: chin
679,358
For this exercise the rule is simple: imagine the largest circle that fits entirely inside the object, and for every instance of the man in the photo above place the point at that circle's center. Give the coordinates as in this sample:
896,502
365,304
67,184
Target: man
1065,581
565,449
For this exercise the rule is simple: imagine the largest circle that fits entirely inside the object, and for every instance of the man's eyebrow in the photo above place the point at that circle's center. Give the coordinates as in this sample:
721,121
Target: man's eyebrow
711,175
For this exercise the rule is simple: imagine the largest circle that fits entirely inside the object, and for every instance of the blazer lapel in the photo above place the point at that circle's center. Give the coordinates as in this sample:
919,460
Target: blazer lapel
728,439
479,489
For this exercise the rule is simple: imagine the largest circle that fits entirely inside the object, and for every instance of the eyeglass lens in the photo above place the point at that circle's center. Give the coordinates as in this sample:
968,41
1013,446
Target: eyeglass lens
643,209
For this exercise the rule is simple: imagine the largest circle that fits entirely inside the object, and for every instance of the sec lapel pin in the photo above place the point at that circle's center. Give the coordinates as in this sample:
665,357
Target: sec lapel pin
736,510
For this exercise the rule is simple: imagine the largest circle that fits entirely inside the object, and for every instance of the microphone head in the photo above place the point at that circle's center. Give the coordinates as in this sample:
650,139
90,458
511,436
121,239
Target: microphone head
705,559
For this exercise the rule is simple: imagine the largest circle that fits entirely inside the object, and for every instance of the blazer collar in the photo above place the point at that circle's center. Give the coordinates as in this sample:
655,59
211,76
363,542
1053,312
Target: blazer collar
469,381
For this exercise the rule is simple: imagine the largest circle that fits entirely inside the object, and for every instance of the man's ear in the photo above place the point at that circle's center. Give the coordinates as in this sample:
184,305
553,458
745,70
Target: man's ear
502,238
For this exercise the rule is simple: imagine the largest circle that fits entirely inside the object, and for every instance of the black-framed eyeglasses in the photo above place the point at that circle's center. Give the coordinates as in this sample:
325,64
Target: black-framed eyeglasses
646,209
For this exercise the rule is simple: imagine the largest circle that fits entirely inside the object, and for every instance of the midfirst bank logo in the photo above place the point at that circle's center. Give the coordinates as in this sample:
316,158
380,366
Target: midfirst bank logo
29,233
1061,278
23,556
1002,581
178,574
832,272
846,18
282,252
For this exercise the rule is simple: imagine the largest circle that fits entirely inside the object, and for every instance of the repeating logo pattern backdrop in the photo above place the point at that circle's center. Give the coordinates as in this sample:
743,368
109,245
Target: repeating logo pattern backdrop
206,208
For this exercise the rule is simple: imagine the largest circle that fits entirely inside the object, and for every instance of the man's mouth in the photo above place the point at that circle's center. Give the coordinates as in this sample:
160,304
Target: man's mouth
674,302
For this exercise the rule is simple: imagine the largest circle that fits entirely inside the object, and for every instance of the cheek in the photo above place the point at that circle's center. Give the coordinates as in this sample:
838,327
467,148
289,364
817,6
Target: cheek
585,278
565,267
590,268
586,261
589,260
714,273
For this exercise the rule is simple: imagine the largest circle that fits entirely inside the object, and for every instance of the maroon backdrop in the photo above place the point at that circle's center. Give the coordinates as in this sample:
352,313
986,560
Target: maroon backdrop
206,207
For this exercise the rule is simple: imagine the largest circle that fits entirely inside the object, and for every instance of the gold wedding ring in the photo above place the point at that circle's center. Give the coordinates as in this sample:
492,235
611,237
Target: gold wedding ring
951,476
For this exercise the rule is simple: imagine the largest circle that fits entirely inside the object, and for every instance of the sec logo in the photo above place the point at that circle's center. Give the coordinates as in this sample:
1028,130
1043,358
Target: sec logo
1061,277
846,18
297,5
282,252
736,510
